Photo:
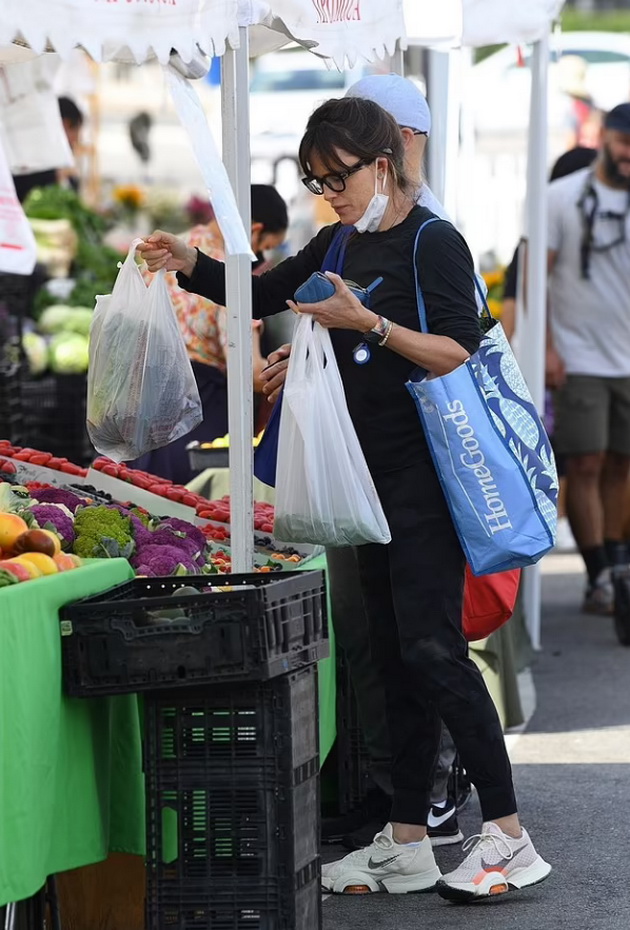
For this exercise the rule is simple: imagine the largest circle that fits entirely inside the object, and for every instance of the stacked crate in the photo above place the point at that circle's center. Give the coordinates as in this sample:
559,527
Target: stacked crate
230,738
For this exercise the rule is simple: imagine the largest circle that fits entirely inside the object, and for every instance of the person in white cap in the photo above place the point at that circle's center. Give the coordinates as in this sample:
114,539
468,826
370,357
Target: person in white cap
408,105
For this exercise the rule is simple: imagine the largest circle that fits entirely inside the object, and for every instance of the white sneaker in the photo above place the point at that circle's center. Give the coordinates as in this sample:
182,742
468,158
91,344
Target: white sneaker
496,863
383,866
565,541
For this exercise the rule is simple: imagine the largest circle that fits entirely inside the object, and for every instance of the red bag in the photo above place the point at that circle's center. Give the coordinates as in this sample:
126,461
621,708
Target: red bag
488,602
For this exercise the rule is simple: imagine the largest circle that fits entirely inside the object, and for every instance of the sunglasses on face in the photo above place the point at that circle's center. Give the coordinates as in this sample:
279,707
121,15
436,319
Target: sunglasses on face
334,182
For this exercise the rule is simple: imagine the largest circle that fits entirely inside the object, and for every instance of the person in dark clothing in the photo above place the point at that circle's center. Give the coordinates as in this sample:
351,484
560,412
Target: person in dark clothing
352,153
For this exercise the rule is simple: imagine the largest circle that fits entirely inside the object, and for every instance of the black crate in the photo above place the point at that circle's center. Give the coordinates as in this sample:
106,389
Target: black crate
16,294
54,408
113,643
10,364
353,781
232,772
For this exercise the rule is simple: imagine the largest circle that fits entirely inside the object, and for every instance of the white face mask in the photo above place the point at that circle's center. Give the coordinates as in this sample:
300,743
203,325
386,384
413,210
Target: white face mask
375,210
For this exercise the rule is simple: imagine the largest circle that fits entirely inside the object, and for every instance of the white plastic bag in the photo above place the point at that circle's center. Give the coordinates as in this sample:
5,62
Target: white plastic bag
142,392
324,491
18,252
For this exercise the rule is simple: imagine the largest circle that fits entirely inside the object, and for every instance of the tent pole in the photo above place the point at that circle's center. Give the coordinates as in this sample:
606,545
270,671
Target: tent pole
236,156
533,348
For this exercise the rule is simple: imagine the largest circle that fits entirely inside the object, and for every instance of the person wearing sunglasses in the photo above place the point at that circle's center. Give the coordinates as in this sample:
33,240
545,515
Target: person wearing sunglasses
401,98
413,587
588,352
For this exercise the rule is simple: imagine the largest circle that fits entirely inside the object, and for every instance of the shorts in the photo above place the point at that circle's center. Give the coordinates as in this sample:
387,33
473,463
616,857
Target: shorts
592,414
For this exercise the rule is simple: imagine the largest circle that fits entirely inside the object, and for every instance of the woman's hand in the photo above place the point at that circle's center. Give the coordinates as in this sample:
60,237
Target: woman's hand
163,250
341,311
275,374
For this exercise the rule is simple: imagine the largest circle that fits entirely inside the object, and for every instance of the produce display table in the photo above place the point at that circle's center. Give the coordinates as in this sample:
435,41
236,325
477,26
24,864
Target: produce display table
70,779
71,782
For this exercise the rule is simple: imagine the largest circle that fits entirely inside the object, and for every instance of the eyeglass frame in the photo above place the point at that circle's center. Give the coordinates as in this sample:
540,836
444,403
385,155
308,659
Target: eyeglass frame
342,176
415,132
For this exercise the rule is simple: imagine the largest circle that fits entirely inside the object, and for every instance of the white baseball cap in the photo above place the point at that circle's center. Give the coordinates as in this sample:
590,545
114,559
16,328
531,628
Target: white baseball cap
399,96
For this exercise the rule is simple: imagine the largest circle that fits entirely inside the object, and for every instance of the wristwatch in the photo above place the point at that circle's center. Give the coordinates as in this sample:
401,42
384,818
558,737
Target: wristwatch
379,334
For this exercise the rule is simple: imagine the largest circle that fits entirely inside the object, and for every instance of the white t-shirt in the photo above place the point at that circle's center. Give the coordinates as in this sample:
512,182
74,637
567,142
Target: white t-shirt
590,319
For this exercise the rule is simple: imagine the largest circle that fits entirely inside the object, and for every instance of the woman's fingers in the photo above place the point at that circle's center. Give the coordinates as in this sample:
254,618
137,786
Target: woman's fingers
282,352
273,378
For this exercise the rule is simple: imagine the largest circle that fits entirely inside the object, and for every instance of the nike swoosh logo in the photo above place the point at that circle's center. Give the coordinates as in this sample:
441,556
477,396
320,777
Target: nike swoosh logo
495,866
434,821
380,865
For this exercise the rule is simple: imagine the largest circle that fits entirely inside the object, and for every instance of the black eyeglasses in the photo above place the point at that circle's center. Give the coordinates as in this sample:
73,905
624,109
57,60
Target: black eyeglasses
334,182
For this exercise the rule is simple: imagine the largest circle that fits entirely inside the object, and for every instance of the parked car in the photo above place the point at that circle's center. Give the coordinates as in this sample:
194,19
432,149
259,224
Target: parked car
500,85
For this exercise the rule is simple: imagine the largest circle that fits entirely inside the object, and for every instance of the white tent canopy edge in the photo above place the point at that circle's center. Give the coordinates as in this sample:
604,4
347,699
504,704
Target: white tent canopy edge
343,30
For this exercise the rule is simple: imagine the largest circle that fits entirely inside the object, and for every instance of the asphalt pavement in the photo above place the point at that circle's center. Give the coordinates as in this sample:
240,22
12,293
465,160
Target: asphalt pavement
572,774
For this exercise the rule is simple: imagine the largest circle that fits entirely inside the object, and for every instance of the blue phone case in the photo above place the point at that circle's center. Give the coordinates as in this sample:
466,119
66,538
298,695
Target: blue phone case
319,287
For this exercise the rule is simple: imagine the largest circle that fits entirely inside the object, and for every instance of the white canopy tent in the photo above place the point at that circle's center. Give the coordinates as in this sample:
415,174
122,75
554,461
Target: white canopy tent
342,30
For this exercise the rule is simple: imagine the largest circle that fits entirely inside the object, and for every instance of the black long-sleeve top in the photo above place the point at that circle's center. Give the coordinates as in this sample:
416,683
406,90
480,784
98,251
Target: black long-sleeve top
381,408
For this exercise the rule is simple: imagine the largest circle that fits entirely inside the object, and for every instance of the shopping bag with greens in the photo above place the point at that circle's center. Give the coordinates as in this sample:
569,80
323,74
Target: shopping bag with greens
142,392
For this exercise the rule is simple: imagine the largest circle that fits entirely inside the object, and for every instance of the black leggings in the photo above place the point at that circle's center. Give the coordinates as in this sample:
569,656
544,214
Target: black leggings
412,589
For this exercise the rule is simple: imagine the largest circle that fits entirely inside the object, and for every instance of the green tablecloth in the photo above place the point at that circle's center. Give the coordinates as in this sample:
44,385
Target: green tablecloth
70,778
71,783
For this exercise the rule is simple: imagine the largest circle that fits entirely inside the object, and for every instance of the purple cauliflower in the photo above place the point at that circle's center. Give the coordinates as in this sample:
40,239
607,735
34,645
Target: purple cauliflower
141,534
53,517
189,530
165,536
58,496
157,561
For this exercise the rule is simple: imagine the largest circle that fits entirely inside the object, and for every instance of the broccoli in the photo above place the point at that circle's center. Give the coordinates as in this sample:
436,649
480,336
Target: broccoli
57,518
102,532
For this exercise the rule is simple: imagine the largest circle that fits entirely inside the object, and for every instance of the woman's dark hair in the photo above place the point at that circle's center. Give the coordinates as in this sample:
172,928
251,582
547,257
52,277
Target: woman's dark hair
359,127
573,160
269,208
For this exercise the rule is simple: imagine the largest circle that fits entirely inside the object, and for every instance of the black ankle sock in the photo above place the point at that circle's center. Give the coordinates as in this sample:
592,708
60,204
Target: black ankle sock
596,562
616,552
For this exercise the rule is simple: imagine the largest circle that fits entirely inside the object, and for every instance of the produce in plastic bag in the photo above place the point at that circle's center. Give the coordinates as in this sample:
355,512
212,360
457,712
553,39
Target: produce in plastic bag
142,392
324,491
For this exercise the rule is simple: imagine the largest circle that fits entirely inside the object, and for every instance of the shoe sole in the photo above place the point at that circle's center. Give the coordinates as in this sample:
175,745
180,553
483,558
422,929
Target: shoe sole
495,884
446,839
362,883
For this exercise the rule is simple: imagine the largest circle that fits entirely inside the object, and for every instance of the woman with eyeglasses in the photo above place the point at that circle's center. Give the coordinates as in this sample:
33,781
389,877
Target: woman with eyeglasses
352,154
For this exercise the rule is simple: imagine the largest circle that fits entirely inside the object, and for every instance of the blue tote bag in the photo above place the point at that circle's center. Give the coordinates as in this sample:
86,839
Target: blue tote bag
491,452
266,454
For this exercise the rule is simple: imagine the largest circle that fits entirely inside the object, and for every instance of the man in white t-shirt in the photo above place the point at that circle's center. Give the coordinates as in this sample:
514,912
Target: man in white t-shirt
588,353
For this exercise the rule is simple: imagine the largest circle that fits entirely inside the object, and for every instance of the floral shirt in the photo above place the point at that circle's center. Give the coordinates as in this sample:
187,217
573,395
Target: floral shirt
203,323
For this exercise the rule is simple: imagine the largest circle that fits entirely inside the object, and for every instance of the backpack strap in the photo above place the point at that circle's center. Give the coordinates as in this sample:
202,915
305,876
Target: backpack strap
336,253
